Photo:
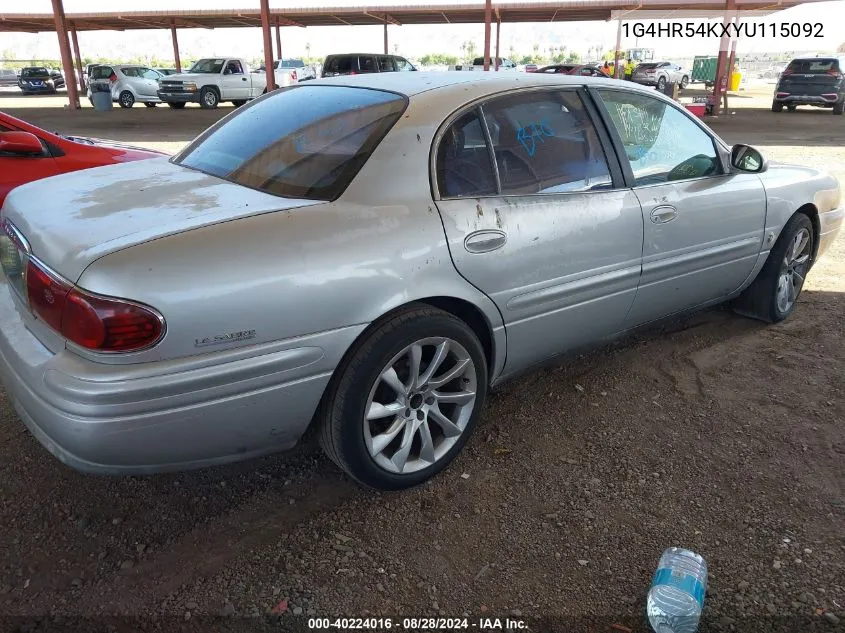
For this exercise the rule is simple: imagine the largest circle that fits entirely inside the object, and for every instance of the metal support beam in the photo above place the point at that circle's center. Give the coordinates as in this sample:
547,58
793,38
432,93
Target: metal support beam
732,59
498,28
488,16
268,45
78,61
278,40
386,49
722,60
616,55
64,49
175,39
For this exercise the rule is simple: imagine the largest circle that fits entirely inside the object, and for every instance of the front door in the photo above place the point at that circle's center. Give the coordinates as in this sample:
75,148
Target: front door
544,226
234,83
703,227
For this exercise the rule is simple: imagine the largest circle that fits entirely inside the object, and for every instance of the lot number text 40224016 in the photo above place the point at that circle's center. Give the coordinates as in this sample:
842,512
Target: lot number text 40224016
733,29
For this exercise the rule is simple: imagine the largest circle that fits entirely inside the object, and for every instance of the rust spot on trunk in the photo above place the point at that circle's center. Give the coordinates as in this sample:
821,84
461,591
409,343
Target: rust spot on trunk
498,219
479,211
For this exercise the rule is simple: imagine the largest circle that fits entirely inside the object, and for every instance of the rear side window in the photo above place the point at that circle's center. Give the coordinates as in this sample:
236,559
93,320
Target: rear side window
546,143
463,160
300,142
367,64
812,66
340,66
385,64
129,72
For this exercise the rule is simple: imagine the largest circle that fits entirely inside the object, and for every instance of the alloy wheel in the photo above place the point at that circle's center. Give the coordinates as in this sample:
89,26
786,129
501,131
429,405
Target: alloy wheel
420,405
793,270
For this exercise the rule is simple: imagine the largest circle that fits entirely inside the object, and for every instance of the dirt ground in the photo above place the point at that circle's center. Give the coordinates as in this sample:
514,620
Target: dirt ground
714,432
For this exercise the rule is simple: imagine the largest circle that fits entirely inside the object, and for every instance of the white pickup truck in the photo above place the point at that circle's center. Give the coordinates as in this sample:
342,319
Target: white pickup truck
478,64
290,71
210,81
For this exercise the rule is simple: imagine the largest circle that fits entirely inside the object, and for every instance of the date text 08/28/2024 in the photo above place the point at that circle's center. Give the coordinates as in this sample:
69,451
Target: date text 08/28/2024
418,624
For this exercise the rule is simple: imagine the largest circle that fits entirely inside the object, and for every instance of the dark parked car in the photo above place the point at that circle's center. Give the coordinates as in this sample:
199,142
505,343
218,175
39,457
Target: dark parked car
37,79
816,81
585,70
361,63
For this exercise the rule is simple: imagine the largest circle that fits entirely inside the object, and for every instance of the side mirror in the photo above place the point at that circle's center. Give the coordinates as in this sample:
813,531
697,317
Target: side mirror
745,158
20,143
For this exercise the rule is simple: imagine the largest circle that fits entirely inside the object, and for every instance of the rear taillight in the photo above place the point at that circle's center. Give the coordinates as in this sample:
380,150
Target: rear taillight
112,77
101,324
785,73
293,75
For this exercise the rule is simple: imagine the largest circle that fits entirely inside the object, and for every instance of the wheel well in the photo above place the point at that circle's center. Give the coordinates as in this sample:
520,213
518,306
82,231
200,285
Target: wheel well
812,212
211,87
472,316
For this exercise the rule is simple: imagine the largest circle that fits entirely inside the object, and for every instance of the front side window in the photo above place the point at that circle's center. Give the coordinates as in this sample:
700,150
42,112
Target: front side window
233,67
463,160
662,143
385,65
300,142
545,142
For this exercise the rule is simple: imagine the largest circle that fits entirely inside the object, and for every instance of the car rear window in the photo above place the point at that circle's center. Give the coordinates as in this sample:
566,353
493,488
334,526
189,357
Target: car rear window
101,72
291,63
812,66
299,142
647,66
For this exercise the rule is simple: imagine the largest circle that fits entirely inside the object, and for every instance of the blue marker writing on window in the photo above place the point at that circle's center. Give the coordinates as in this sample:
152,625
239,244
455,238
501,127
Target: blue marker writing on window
529,135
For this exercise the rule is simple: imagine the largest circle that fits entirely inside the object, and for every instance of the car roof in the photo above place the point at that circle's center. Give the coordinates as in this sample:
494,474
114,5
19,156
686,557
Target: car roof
455,82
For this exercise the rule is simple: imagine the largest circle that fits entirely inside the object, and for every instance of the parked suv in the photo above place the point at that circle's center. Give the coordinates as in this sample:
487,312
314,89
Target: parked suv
816,81
360,63
128,83
659,74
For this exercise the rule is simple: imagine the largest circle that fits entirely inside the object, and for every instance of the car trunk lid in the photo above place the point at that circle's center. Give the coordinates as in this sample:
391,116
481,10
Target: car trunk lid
74,219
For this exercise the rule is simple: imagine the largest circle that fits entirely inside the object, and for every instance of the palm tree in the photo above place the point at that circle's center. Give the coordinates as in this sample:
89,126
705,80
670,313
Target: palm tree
308,49
471,48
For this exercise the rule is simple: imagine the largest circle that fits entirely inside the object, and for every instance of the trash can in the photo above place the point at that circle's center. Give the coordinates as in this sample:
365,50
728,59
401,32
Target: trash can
736,78
101,97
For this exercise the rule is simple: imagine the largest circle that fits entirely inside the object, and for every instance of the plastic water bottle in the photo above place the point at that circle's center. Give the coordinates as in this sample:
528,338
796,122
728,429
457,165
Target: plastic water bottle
677,592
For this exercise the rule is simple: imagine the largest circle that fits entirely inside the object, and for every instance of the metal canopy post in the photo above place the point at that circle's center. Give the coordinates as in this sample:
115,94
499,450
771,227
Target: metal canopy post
78,60
488,16
268,45
385,34
722,60
498,28
67,58
732,59
278,40
175,46
616,55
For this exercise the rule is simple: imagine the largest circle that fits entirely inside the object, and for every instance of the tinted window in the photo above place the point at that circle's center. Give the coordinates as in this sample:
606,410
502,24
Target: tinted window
291,63
463,160
812,66
129,72
101,72
403,64
546,144
233,68
661,142
149,73
301,142
340,66
211,66
385,65
367,64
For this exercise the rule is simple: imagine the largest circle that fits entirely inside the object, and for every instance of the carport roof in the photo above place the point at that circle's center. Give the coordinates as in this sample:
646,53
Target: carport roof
472,13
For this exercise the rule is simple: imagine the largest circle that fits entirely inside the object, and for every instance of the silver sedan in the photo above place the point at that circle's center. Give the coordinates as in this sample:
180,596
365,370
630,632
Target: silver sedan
368,255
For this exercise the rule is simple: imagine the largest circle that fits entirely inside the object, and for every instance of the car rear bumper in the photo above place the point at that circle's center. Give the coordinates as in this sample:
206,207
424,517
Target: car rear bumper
179,97
164,416
830,223
798,99
645,81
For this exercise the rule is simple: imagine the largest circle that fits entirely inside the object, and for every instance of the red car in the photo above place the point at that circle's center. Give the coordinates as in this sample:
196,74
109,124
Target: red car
29,153
586,70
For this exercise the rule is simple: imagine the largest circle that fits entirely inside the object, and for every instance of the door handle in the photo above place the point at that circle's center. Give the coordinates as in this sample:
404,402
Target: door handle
663,214
485,241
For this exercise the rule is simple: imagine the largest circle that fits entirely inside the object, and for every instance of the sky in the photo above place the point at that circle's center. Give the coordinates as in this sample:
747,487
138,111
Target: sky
410,41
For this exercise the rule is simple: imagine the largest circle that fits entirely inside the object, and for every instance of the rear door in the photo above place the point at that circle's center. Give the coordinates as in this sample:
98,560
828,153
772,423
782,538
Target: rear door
544,226
703,227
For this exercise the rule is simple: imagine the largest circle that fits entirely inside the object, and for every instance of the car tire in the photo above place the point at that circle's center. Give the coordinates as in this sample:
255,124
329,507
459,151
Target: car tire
839,107
408,416
772,296
176,106
777,106
684,81
661,84
209,99
238,103
126,99
150,104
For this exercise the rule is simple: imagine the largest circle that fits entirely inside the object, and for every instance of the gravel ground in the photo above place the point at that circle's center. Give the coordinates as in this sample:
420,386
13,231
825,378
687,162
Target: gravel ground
714,432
